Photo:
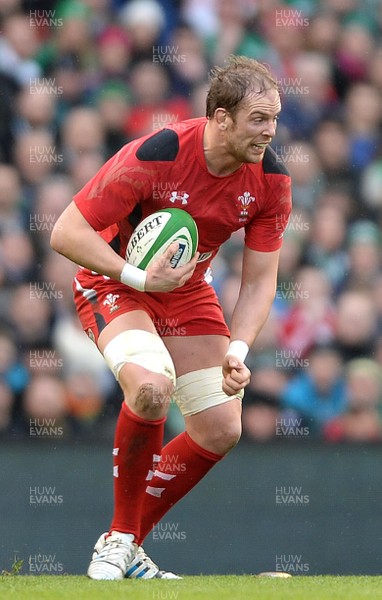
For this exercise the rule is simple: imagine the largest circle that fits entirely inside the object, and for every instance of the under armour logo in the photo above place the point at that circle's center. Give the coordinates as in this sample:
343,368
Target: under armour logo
182,196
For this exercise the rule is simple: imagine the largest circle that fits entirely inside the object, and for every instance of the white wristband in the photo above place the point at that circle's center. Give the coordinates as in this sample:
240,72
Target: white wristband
239,349
133,277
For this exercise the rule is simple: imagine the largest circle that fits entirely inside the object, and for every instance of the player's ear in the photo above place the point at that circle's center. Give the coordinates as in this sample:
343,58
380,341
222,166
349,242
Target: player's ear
222,118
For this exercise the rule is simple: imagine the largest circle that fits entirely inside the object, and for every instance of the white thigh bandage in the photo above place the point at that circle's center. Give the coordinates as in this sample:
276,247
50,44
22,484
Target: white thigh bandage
141,348
201,389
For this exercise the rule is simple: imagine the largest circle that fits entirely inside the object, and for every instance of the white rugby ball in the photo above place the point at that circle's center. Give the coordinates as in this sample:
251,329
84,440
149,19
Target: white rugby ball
155,233
274,574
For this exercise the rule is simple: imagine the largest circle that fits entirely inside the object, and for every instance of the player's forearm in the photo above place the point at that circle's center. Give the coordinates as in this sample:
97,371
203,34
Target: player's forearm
91,251
251,311
73,237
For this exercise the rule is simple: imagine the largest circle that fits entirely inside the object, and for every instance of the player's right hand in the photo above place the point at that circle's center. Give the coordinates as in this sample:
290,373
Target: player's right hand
161,277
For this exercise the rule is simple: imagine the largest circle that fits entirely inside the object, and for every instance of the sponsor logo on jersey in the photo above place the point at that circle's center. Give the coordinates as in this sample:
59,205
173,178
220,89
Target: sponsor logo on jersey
110,301
244,202
180,196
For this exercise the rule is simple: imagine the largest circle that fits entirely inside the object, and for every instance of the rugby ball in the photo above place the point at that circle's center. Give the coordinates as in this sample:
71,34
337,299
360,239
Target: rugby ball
155,233
274,574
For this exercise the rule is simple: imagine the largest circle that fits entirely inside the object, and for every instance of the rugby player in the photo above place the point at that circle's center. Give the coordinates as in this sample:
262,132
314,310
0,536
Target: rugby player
222,171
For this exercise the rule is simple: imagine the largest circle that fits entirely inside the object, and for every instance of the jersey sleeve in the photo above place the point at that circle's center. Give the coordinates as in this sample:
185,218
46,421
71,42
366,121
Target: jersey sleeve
265,231
114,191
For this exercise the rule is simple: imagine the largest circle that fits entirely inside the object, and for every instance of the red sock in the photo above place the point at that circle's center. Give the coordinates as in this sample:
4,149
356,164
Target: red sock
183,463
137,444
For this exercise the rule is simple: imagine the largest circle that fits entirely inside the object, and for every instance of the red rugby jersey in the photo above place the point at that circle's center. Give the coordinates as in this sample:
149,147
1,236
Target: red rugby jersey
168,169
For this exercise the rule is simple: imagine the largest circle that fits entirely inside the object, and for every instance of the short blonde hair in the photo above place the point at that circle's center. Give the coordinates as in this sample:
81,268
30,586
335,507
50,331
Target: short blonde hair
241,77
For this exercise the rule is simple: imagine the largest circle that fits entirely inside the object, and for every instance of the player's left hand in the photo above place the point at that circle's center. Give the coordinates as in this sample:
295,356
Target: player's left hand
235,375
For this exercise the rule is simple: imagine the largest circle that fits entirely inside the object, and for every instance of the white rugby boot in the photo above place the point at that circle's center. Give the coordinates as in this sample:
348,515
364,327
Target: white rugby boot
112,555
140,566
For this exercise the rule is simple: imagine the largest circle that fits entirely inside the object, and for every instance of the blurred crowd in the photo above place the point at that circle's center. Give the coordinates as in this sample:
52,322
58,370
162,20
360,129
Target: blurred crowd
80,78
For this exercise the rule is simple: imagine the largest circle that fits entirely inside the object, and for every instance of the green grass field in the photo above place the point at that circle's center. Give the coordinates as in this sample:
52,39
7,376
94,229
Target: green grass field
228,587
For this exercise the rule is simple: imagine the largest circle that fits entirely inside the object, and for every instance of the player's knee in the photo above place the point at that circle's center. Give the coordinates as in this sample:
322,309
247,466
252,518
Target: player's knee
224,438
144,369
151,397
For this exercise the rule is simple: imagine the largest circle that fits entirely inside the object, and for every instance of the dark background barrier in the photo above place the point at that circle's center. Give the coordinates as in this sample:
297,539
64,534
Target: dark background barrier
292,506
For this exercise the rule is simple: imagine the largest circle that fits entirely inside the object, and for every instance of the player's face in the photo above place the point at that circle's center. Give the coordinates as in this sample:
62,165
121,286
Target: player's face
253,127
